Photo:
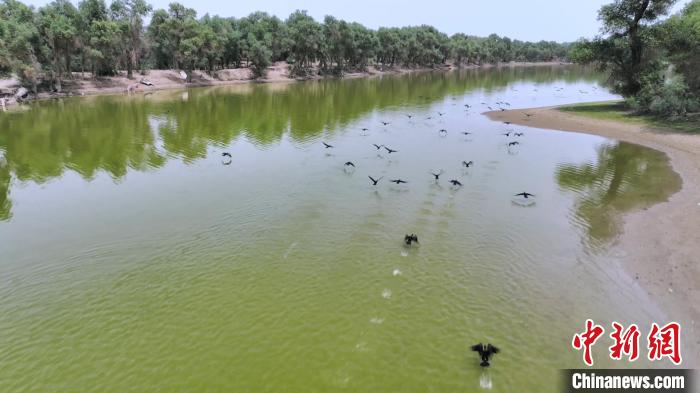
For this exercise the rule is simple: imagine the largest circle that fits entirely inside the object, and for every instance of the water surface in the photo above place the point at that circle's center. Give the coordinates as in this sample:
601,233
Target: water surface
135,258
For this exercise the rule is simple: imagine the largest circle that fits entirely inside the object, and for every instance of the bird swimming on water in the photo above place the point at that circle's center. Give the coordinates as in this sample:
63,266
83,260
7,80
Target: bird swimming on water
485,352
375,181
327,145
408,239
525,195
467,164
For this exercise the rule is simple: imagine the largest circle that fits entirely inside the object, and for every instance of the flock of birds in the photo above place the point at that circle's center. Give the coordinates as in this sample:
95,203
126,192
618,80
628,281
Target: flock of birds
485,351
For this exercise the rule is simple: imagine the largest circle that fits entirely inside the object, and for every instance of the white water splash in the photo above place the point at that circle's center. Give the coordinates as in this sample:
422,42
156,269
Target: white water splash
485,381
291,247
396,272
386,294
376,320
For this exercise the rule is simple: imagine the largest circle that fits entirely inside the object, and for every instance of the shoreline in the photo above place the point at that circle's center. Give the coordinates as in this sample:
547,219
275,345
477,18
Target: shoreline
81,85
674,223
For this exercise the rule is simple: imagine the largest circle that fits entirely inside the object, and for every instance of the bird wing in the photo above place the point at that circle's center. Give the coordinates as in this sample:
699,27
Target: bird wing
478,348
492,349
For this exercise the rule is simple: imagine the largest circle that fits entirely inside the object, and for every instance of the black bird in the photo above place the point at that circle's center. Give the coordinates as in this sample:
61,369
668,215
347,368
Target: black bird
507,133
443,131
456,183
408,239
513,143
437,175
385,123
467,164
506,123
377,146
349,163
409,116
440,113
390,150
466,133
327,145
226,154
398,181
375,181
485,352
467,105
518,134
525,195
365,129
490,108
502,109
429,118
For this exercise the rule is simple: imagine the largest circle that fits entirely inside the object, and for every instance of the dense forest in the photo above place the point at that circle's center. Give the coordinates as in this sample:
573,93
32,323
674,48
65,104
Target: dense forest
47,44
653,62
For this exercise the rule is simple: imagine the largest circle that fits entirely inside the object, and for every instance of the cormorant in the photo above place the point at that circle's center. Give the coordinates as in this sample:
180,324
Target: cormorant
398,181
377,146
327,145
375,181
390,150
513,143
485,352
349,163
437,175
408,239
456,183
226,154
467,164
525,195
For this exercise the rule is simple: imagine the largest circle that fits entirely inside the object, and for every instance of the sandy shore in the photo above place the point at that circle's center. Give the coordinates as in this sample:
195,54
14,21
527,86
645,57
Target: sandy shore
83,84
660,244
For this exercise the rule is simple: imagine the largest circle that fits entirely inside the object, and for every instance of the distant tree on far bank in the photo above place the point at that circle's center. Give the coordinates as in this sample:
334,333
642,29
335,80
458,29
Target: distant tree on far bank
49,44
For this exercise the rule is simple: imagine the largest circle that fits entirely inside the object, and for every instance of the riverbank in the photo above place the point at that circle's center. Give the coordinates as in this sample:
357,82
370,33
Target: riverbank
84,84
659,243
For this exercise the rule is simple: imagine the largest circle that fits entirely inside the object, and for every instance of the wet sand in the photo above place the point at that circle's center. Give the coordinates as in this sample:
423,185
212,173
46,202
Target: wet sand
660,244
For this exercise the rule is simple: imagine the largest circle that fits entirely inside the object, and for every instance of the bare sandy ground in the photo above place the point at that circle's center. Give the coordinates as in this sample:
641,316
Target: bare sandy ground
660,244
84,84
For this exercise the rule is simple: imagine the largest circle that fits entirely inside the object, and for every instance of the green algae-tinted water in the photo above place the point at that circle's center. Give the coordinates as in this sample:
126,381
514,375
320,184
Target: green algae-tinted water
135,258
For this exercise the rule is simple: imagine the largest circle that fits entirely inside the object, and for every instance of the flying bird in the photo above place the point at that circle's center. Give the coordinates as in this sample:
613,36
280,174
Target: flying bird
456,183
327,145
408,239
513,143
467,164
466,133
375,181
506,123
349,163
390,150
525,195
507,133
518,134
528,114
485,352
437,175
385,123
440,113
226,154
365,129
377,146
409,116
398,181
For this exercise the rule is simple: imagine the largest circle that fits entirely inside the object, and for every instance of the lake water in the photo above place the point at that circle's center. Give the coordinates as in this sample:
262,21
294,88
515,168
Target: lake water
134,257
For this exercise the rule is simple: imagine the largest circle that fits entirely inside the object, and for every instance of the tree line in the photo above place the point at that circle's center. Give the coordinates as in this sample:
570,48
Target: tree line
653,62
47,44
